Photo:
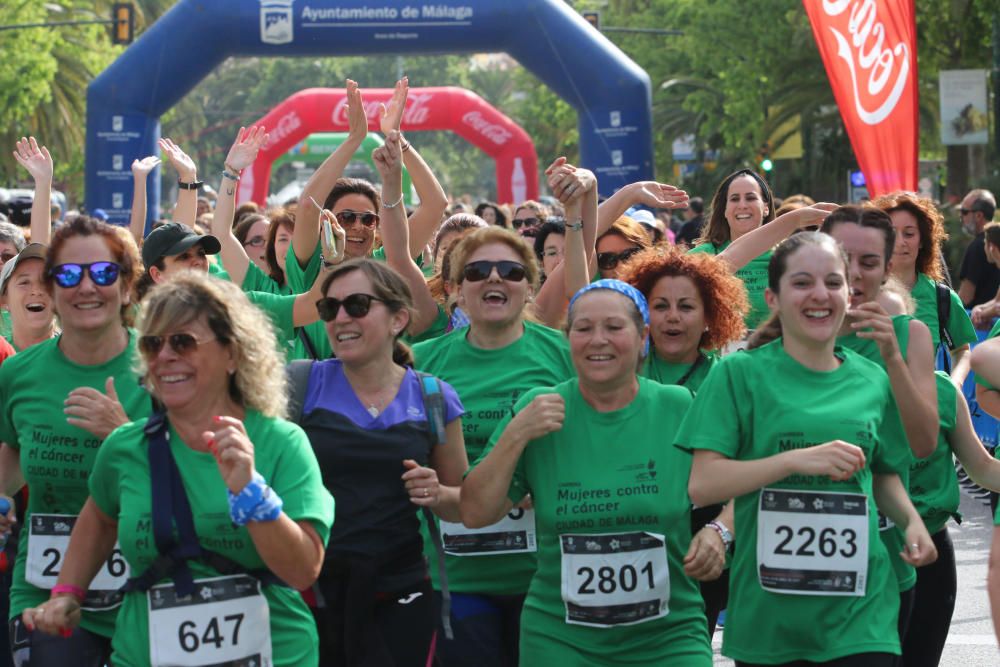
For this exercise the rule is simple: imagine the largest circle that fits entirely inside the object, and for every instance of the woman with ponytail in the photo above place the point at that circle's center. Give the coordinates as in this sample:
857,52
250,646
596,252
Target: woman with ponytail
380,457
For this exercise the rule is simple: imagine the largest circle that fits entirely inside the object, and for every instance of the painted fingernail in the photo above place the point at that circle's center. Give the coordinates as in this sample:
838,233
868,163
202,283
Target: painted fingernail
66,633
217,418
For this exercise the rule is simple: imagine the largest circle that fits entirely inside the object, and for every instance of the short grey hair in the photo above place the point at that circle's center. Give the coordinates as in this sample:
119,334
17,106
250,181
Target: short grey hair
11,233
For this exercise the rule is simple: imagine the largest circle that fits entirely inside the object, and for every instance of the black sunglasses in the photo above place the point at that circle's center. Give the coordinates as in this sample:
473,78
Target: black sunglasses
524,222
481,270
355,305
607,261
70,275
181,343
348,217
967,211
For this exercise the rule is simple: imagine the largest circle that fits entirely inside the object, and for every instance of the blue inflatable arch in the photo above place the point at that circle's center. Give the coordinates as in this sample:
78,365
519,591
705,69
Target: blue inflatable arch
609,91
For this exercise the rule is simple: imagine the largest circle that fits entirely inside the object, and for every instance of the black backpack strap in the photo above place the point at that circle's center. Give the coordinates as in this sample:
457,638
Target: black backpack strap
430,389
307,343
297,372
944,314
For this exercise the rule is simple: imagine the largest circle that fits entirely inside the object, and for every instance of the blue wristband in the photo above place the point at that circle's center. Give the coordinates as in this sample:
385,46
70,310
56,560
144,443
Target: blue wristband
256,502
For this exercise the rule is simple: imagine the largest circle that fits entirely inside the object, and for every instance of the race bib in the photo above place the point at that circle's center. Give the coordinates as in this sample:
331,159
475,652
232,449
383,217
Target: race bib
47,543
614,579
225,621
514,534
812,543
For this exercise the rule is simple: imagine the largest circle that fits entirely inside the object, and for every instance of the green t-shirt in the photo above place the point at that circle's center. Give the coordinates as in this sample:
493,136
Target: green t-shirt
893,537
610,473
280,310
757,404
256,280
980,380
490,382
959,324
754,277
120,486
664,372
215,268
57,458
933,484
5,328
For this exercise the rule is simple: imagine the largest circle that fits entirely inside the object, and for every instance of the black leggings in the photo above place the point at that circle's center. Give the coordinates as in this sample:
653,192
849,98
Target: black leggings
936,586
37,649
404,621
856,660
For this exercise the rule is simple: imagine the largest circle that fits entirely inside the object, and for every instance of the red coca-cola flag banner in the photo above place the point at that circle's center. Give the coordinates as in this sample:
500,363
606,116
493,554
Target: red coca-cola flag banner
440,108
869,48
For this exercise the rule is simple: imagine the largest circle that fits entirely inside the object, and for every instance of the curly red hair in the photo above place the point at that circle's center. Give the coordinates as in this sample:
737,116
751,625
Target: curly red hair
930,222
723,294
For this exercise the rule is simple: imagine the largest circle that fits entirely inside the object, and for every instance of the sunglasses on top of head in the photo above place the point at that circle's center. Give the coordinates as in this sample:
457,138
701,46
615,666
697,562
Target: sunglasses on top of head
347,217
475,272
180,343
355,305
70,275
609,260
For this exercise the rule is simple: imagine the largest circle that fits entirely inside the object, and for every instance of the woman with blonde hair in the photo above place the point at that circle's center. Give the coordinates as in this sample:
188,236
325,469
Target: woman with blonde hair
223,589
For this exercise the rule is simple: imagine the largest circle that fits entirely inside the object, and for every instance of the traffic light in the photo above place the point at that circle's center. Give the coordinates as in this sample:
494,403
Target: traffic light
766,164
764,158
123,29
593,18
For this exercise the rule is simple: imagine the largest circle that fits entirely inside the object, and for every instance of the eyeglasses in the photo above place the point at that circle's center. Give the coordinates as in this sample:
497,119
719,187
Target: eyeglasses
348,217
524,222
355,305
70,275
967,211
255,242
607,261
474,272
181,343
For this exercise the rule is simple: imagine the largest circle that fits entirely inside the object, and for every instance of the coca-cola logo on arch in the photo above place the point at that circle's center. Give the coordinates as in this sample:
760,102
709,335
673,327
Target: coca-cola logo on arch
495,133
417,111
878,70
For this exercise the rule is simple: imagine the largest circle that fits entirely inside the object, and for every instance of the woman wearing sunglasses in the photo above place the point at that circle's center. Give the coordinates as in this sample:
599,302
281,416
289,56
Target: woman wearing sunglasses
59,400
368,418
355,202
743,202
624,240
528,216
615,577
240,484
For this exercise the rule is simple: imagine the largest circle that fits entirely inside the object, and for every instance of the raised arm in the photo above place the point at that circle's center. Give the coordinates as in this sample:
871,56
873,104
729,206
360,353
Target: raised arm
186,210
37,161
306,233
395,233
755,243
979,463
640,193
433,201
241,155
140,173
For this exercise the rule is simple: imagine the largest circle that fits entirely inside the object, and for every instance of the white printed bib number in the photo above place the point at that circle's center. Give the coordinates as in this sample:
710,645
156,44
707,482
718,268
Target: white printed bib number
614,579
225,621
47,543
514,534
811,543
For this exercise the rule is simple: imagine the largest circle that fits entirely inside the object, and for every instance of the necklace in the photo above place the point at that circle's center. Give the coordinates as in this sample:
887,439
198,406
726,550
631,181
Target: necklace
372,410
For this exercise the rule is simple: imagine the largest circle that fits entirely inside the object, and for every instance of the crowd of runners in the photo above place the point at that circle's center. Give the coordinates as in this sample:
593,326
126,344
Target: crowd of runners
344,433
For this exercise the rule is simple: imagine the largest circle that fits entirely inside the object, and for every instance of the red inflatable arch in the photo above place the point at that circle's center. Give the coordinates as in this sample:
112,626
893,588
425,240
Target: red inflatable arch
439,108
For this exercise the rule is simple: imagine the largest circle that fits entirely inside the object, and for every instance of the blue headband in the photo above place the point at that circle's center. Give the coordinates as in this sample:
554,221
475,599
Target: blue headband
634,295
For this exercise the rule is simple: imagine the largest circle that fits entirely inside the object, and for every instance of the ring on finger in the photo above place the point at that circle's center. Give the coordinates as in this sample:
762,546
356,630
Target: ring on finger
426,492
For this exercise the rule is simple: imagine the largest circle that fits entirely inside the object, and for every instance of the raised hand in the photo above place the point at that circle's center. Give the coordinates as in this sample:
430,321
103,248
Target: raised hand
388,158
357,118
244,150
569,183
36,160
181,161
142,168
391,116
335,241
659,195
233,451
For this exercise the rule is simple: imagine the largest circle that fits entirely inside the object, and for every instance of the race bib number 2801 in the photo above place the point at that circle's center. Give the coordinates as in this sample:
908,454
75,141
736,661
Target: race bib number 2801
614,579
812,543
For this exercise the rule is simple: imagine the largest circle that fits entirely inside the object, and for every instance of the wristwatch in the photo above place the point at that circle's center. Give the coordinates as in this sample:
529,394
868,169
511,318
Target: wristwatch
190,186
720,528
